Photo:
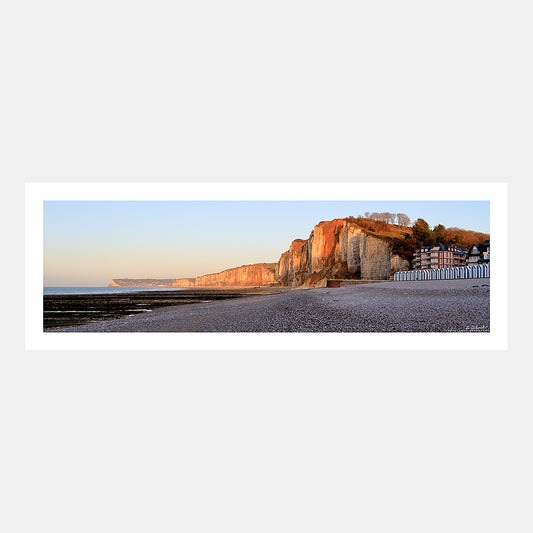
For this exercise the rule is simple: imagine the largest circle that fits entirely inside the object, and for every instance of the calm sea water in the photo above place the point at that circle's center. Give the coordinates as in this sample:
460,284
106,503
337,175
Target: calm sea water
104,290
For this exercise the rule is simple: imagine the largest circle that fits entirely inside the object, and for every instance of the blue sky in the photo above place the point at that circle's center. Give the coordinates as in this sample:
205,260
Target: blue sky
89,243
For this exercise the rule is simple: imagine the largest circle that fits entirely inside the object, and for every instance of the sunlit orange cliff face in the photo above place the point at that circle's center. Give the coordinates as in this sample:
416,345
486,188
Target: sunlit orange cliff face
259,274
337,248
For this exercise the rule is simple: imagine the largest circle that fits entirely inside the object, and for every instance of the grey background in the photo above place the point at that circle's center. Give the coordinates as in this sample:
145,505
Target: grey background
263,441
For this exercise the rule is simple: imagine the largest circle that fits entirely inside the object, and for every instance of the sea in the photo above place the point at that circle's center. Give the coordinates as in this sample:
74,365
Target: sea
104,290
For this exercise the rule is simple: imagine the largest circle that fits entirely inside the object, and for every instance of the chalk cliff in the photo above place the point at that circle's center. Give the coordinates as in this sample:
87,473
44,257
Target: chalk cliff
185,283
337,249
258,274
130,282
243,276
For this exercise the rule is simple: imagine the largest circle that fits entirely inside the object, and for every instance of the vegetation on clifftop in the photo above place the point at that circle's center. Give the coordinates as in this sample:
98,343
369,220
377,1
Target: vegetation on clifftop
405,240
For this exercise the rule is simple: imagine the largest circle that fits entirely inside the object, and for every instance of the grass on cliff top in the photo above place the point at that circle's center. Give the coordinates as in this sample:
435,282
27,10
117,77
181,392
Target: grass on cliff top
388,234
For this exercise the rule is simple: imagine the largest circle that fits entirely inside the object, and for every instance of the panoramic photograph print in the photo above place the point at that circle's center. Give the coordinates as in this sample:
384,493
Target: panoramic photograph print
236,266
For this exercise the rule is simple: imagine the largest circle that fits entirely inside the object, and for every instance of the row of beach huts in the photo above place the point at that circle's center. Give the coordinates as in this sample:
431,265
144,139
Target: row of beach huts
462,272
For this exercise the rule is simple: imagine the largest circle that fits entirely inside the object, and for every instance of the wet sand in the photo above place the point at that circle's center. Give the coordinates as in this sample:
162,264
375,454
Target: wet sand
410,306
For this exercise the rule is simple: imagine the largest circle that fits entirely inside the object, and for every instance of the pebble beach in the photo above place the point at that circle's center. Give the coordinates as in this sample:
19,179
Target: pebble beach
409,306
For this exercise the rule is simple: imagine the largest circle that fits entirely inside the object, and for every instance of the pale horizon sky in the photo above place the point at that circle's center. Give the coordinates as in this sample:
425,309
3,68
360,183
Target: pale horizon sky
88,243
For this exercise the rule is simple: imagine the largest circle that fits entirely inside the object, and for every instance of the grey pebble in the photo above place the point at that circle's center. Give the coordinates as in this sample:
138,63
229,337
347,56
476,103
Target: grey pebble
408,306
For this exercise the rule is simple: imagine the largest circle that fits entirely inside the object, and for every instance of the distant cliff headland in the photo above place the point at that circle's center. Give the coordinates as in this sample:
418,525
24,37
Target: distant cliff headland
127,282
349,248
257,275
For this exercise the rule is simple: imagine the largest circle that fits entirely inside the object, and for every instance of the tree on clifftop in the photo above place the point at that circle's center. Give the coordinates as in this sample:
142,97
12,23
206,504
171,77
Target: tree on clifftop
439,234
403,219
389,217
421,230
